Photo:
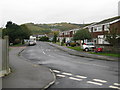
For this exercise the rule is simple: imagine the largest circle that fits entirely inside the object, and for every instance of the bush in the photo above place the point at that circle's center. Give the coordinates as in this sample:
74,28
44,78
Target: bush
44,38
72,44
17,41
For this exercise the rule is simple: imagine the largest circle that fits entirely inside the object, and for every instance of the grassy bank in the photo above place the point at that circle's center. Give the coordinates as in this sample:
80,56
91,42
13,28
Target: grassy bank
107,54
99,53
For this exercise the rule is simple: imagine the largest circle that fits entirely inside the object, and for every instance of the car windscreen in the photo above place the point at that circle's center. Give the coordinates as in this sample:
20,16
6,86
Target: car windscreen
89,44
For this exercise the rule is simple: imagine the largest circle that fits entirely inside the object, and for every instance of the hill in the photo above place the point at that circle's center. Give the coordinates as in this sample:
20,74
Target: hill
48,28
35,29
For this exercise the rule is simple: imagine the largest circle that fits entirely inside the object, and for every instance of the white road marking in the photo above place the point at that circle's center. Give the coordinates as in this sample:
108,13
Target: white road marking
91,64
67,73
75,79
94,83
44,52
114,87
56,71
47,49
80,76
34,65
117,84
50,56
103,81
60,75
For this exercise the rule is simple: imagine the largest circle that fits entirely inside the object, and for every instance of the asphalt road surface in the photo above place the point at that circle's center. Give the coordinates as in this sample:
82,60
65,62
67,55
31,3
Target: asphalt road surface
74,71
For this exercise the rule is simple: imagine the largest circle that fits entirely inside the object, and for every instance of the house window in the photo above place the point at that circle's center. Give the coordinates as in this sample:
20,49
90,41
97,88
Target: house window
99,28
107,27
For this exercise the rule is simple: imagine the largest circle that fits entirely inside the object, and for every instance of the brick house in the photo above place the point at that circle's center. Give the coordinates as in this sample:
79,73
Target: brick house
67,35
98,30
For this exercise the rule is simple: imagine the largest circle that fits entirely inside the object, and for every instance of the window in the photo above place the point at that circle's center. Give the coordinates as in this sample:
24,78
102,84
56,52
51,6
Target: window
99,28
107,27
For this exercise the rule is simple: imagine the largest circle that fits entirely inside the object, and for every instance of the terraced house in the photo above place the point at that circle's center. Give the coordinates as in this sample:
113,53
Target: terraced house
98,30
67,35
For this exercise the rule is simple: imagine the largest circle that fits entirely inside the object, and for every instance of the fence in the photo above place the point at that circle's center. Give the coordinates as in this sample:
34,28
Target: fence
4,67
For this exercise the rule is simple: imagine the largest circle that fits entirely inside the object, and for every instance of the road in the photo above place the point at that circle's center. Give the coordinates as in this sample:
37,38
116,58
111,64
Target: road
73,71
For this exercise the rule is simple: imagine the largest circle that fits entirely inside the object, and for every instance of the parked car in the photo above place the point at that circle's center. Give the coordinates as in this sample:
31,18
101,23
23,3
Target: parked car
31,43
88,46
72,43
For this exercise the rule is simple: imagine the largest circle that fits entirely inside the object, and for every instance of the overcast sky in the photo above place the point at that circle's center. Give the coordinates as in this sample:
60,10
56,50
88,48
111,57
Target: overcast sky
54,11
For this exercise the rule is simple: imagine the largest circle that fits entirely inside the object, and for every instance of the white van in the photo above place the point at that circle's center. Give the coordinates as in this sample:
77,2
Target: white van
32,40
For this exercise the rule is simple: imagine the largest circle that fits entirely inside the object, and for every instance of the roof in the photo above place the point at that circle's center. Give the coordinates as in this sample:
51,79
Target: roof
108,20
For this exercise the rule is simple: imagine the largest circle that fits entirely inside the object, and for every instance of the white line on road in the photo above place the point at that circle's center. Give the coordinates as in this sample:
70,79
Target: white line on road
44,52
94,83
117,84
75,79
80,76
103,81
50,56
114,87
67,73
91,64
56,71
34,65
60,75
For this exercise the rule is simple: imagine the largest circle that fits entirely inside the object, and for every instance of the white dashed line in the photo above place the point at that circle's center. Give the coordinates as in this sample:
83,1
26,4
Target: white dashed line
114,87
116,84
67,73
56,71
102,81
94,83
75,79
80,76
60,75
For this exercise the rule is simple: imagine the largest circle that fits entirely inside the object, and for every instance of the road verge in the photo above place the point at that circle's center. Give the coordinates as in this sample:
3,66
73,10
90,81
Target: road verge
83,54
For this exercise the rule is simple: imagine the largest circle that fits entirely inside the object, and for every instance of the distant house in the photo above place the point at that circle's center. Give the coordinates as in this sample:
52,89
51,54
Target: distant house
67,35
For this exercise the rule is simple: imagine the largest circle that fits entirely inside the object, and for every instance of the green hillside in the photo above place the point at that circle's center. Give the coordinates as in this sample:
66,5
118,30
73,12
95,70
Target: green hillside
35,29
48,28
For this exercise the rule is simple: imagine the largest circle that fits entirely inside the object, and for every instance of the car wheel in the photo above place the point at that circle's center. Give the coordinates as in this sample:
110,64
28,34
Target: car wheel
86,49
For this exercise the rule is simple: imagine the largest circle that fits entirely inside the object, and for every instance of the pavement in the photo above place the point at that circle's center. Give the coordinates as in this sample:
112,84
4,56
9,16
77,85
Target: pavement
26,74
84,54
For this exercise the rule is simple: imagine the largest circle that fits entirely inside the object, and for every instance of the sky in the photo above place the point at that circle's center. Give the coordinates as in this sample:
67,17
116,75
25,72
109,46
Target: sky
56,11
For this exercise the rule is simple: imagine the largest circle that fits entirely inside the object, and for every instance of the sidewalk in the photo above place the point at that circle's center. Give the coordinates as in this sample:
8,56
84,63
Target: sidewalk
84,54
25,74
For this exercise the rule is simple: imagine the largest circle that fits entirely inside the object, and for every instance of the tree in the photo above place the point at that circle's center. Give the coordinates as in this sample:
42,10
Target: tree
15,31
55,38
25,32
82,34
113,36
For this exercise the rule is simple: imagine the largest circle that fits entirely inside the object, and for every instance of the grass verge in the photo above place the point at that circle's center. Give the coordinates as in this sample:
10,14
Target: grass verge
106,54
76,48
17,45
99,53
